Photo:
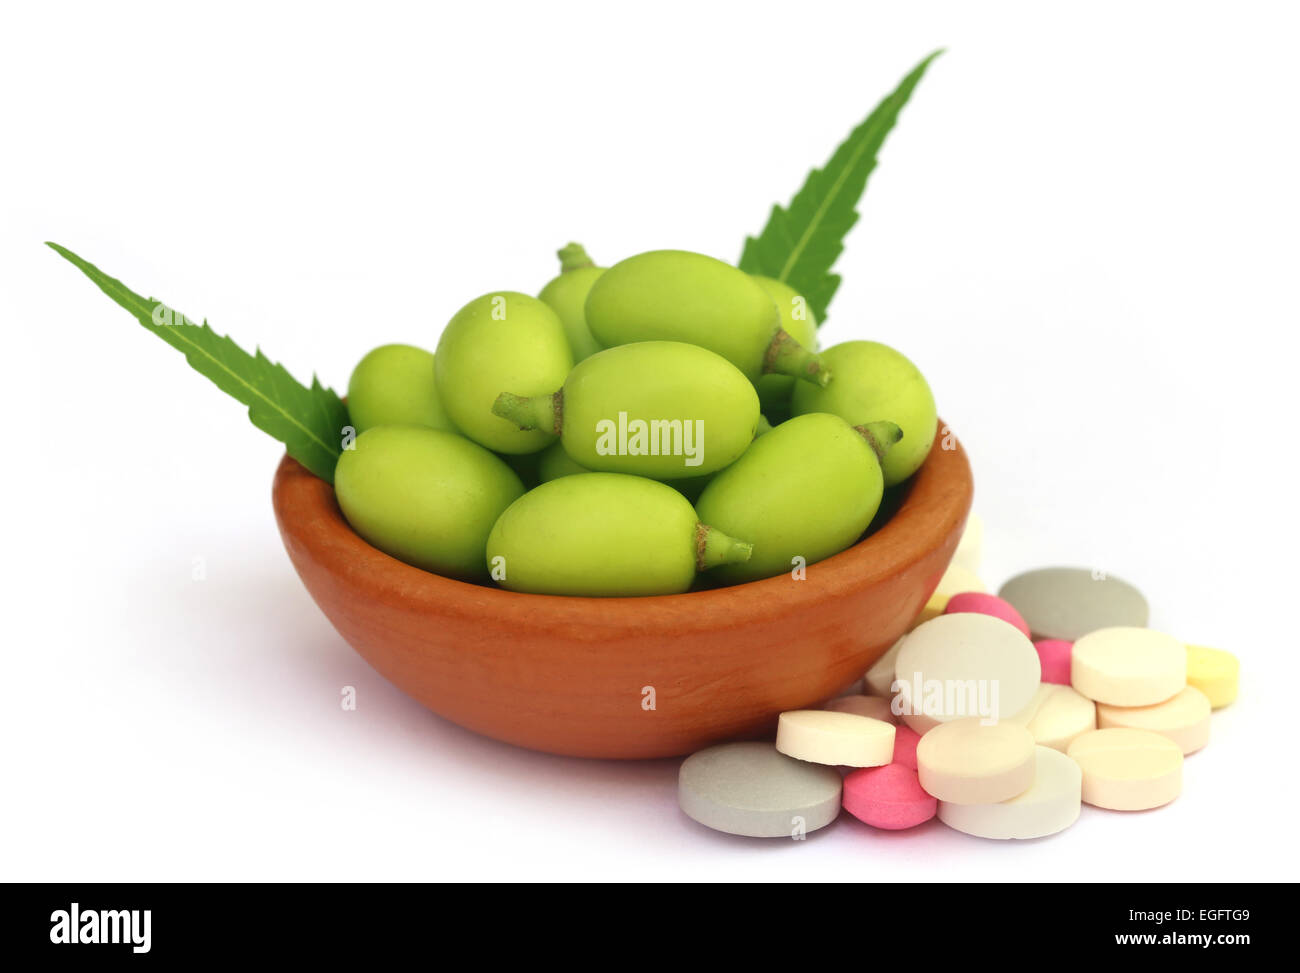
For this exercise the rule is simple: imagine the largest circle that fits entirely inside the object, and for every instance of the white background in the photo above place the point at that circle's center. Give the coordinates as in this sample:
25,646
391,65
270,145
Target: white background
1084,231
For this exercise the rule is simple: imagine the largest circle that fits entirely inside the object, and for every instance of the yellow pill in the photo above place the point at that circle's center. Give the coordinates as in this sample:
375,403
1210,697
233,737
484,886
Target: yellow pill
1213,672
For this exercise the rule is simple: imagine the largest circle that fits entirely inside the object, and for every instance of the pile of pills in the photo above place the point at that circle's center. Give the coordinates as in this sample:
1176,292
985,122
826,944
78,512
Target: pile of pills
1000,715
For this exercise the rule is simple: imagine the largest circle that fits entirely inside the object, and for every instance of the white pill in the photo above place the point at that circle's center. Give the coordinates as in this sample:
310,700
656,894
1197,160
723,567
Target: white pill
875,707
971,545
837,739
1128,666
880,677
1128,770
1051,803
1056,715
966,762
1184,718
963,665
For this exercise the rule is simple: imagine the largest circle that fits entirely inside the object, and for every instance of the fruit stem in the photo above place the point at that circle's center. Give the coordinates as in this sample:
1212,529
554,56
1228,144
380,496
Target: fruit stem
880,436
545,412
785,356
573,257
713,547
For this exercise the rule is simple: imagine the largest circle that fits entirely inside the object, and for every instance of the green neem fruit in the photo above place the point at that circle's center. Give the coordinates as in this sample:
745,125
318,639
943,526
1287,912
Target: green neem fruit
807,489
604,534
555,463
500,341
426,497
394,385
673,295
662,409
798,321
566,295
873,382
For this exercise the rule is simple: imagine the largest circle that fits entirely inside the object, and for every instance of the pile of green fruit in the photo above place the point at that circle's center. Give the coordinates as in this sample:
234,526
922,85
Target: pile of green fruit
626,430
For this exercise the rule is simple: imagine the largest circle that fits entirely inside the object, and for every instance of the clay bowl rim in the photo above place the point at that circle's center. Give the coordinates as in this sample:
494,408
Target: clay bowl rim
937,500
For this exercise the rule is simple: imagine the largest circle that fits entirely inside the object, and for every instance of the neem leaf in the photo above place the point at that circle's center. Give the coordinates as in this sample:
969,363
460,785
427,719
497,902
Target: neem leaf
309,421
800,244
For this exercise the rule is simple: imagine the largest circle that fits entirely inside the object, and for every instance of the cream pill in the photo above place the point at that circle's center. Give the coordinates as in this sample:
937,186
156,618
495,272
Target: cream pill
1128,770
1128,666
1068,603
880,677
965,762
749,789
1056,715
874,707
835,739
1051,804
1183,718
963,665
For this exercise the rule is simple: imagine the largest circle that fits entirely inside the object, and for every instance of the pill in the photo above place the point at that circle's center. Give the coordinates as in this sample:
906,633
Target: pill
963,665
1128,666
750,789
875,707
983,603
954,581
1054,657
971,545
1213,672
1067,603
880,677
835,739
1128,770
967,762
1051,804
1056,715
1184,718
889,797
905,741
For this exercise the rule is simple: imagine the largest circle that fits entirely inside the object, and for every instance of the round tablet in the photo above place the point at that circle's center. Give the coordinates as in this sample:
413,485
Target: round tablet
875,707
1128,770
966,762
879,679
888,797
983,603
971,544
1213,672
836,739
1184,718
1051,803
1067,603
905,741
1128,666
750,789
1054,657
1056,715
963,665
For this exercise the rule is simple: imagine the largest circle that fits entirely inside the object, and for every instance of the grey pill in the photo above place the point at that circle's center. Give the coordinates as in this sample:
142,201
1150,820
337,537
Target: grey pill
750,789
1068,603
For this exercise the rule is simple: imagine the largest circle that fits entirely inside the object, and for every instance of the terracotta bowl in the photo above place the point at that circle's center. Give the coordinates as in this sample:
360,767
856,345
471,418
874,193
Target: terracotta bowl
626,677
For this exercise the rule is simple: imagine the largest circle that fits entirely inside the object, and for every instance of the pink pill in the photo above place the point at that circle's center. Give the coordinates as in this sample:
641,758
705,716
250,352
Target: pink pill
1054,654
978,603
888,797
905,741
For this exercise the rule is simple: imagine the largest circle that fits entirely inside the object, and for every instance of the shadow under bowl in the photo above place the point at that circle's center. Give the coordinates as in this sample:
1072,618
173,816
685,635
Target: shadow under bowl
627,677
